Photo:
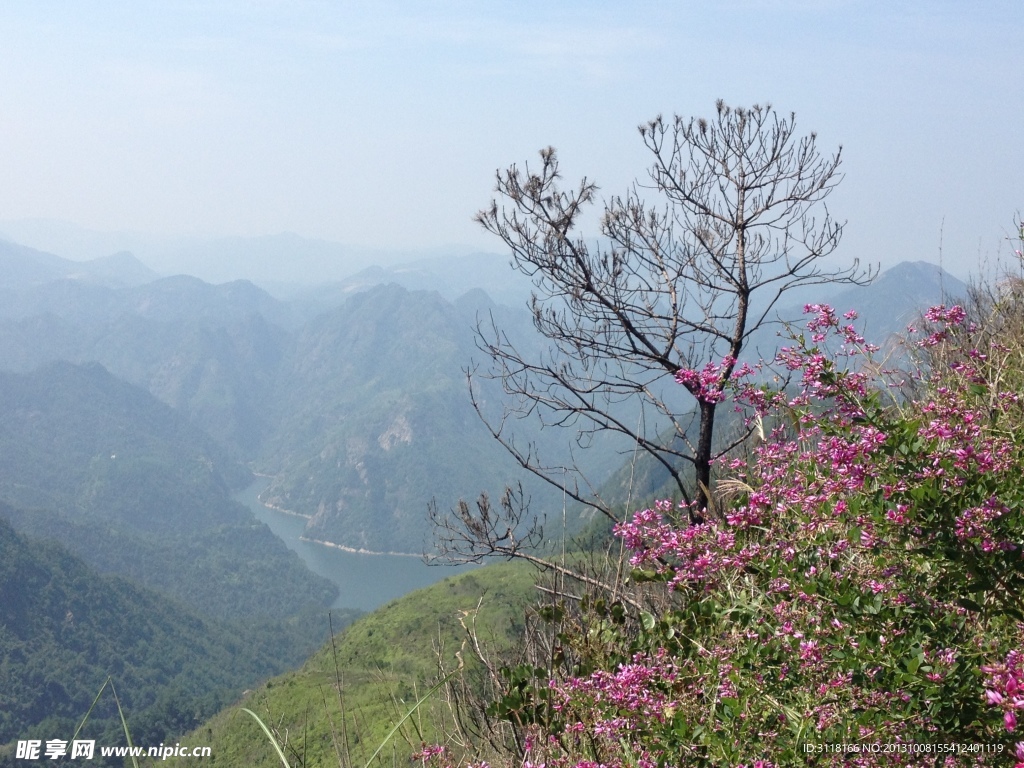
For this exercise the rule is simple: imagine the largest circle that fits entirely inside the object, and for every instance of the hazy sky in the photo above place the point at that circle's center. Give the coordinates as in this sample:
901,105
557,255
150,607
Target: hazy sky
382,123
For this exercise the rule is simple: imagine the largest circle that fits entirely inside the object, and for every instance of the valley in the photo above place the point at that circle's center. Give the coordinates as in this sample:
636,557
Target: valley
364,581
155,428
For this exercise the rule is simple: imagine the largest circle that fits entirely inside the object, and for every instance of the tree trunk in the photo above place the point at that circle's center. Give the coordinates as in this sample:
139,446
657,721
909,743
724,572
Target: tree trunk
702,462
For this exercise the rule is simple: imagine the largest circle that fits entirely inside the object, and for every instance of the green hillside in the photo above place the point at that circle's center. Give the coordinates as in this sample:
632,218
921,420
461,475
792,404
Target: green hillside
376,421
385,661
128,485
65,628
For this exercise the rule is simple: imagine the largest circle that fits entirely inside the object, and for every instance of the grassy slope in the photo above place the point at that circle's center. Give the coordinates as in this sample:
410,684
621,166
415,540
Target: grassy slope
386,661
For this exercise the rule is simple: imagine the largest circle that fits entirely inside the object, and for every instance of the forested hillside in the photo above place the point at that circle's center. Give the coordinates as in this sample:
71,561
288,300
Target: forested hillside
379,422
126,483
64,629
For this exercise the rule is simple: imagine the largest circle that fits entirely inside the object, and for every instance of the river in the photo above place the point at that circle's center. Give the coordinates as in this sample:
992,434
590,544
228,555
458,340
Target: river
364,581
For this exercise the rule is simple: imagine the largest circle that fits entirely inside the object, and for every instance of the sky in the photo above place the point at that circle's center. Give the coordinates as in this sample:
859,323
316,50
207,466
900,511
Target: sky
381,124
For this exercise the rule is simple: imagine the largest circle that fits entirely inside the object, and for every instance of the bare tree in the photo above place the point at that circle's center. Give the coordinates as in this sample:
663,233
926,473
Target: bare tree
688,265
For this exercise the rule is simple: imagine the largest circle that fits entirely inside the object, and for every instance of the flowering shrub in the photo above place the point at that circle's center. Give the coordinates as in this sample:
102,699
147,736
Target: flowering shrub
865,589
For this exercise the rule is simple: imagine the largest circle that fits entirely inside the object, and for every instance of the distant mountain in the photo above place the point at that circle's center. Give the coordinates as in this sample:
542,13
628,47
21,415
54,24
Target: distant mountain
376,421
236,361
284,262
352,397
886,306
898,296
177,298
450,276
183,297
22,267
207,350
119,269
128,485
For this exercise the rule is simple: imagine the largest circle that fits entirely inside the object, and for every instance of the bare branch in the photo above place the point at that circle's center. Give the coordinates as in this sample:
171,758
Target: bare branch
689,264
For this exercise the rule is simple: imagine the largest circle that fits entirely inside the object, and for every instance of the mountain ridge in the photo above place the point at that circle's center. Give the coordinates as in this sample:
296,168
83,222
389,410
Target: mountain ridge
23,267
350,403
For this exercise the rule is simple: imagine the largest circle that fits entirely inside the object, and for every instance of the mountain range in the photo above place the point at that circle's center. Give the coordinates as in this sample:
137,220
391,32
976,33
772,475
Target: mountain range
352,398
132,406
284,262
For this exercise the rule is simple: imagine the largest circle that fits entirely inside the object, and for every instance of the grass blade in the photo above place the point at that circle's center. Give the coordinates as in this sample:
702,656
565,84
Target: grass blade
124,724
92,706
280,753
409,714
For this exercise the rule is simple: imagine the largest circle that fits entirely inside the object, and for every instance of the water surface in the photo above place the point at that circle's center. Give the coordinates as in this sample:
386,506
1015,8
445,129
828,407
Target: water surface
364,581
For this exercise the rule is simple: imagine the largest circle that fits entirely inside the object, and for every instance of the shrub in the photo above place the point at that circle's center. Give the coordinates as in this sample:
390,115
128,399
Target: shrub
861,588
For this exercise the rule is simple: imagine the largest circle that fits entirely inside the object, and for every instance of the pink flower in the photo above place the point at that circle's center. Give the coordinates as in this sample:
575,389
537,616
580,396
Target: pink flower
708,385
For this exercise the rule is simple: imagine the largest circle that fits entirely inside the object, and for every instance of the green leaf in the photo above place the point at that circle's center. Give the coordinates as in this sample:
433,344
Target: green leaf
970,605
552,613
618,613
641,575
